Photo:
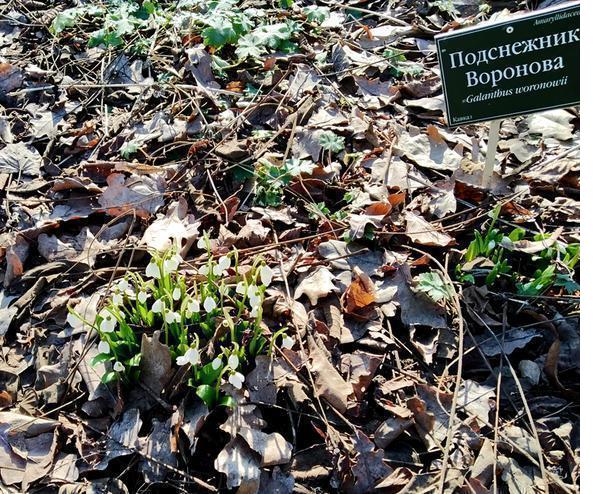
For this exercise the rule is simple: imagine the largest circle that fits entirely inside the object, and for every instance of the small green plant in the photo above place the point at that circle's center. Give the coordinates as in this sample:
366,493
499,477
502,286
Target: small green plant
319,210
331,142
488,246
399,66
554,266
272,178
433,286
316,13
211,326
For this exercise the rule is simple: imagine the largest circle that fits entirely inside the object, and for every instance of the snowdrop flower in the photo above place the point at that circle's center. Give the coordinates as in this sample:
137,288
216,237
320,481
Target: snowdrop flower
118,366
158,306
103,347
222,266
123,285
171,265
240,288
193,306
191,356
73,320
171,317
142,297
209,304
287,342
266,275
108,323
252,291
217,363
254,311
152,270
203,270
176,293
117,299
233,361
236,379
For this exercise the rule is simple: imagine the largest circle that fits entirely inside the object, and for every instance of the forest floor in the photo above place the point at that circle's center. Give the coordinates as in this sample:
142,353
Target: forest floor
241,251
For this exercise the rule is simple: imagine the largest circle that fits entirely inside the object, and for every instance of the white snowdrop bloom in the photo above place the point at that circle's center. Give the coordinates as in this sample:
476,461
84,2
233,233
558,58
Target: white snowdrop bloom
254,311
203,270
108,324
236,379
217,363
287,342
103,347
191,356
233,361
123,285
152,270
171,317
209,304
118,366
193,306
158,306
117,299
222,266
142,297
252,291
266,275
171,265
201,244
177,293
240,288
73,320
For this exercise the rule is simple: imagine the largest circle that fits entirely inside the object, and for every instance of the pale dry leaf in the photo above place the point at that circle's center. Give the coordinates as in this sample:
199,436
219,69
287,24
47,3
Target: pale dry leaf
155,364
20,159
141,194
240,465
420,231
396,173
176,227
426,152
272,447
316,284
329,384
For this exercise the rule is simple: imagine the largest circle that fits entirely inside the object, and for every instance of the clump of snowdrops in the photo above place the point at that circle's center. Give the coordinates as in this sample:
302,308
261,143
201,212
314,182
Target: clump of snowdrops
211,324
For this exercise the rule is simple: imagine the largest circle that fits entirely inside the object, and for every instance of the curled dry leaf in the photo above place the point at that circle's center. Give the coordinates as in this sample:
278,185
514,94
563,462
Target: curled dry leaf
360,294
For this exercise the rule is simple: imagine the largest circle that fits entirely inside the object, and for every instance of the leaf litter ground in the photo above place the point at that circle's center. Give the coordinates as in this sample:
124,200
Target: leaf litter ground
432,326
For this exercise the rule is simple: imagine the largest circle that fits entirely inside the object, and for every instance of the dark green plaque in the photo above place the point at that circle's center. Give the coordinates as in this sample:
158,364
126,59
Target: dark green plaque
526,64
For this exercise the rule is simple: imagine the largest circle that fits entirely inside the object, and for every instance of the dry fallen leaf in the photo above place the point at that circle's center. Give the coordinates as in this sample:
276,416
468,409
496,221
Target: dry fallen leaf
328,382
316,284
422,232
141,195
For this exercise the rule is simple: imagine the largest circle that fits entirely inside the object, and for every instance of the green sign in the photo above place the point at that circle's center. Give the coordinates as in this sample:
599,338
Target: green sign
526,64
